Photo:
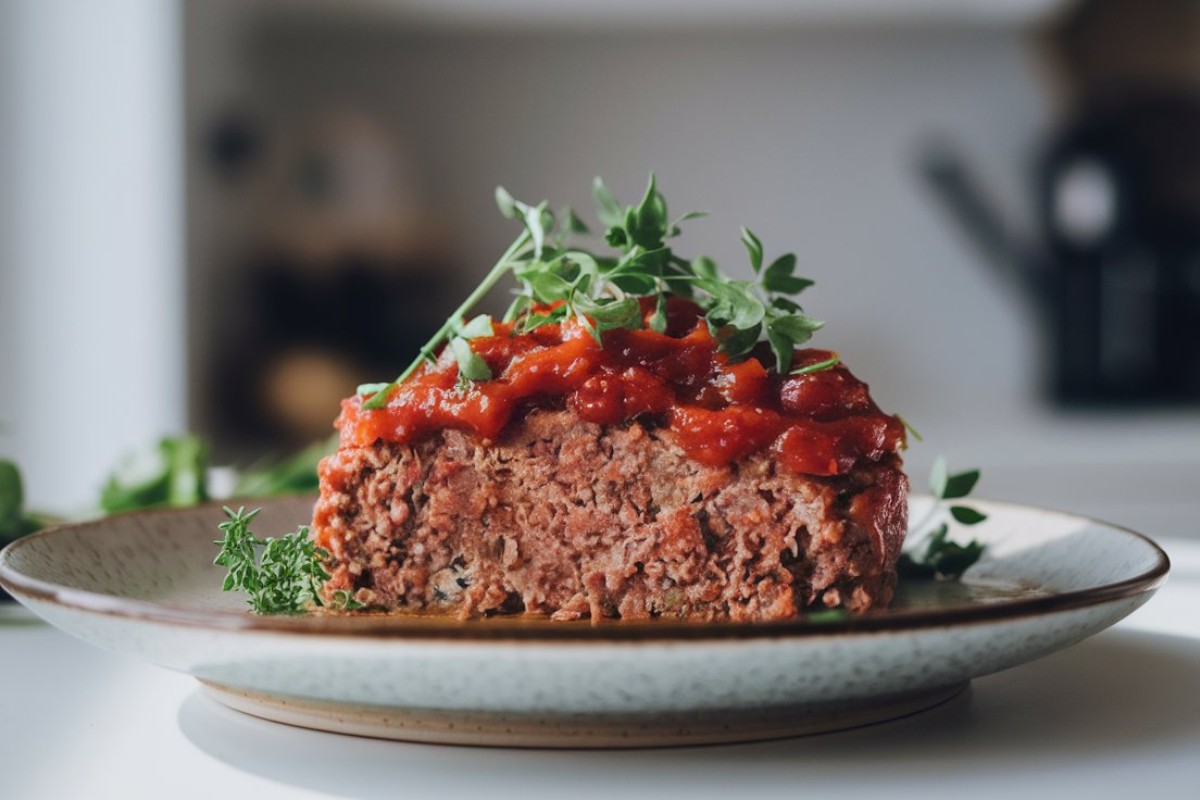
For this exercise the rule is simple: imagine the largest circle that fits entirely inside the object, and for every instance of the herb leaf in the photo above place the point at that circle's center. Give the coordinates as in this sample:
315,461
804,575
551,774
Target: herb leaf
754,248
940,557
951,487
967,515
960,484
608,210
779,278
916,434
705,268
471,365
820,366
479,326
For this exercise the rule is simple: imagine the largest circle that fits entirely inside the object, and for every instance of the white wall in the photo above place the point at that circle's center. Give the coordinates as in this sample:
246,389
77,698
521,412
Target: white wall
91,348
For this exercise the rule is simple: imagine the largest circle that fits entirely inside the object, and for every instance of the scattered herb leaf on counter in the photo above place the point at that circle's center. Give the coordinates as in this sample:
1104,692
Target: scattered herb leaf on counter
940,557
604,291
280,575
296,474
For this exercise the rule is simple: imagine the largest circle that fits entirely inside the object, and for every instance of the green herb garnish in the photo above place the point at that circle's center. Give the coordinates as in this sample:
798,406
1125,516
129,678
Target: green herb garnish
281,576
603,291
820,366
12,498
296,474
174,473
15,520
940,557
916,434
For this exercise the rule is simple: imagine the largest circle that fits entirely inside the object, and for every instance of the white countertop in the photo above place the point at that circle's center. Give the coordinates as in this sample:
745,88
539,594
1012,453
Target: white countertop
1117,714
1135,469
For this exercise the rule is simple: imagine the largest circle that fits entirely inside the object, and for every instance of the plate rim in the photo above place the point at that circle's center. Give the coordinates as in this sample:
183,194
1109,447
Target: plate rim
526,630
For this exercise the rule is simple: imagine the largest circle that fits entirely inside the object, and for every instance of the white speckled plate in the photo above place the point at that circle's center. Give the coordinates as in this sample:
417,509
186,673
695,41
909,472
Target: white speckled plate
143,585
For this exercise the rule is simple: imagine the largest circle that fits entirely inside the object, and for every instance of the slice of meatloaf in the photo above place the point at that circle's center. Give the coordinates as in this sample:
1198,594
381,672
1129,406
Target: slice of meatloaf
570,519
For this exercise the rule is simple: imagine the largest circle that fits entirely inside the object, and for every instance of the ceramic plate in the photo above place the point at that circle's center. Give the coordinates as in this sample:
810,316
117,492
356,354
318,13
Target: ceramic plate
143,585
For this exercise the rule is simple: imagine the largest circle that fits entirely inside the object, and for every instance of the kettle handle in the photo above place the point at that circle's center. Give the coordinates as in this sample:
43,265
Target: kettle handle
945,172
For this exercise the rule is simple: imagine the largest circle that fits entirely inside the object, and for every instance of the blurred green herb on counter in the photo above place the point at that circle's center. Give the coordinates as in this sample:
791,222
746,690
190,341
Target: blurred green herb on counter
15,520
939,556
174,474
296,474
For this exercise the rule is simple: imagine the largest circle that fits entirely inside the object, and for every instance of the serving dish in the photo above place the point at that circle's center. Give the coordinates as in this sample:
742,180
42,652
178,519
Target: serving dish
143,585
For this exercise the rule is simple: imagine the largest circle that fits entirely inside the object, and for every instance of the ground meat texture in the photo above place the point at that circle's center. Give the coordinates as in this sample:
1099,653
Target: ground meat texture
569,519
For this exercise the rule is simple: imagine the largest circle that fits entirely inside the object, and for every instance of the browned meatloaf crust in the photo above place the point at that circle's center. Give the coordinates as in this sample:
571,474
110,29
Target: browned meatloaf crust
571,519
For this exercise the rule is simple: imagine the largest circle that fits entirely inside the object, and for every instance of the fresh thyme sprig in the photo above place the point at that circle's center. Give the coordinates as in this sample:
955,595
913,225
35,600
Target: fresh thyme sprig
285,578
940,557
557,281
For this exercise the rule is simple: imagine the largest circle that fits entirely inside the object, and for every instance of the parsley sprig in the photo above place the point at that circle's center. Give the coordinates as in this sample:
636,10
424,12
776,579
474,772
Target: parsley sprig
557,281
939,556
281,576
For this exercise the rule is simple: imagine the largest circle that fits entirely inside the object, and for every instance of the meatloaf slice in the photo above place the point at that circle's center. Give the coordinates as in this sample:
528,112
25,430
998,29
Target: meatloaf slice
570,519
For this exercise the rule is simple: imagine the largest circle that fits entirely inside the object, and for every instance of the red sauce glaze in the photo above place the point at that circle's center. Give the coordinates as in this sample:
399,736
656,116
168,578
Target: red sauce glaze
822,423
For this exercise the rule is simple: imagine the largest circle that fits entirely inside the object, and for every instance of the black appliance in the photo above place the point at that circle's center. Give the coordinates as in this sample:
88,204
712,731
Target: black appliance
1115,271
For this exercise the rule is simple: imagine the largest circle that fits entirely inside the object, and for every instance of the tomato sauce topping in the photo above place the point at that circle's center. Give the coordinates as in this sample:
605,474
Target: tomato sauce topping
821,423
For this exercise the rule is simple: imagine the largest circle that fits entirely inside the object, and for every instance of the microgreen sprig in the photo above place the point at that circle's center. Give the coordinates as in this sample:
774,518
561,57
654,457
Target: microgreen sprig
557,281
740,312
940,557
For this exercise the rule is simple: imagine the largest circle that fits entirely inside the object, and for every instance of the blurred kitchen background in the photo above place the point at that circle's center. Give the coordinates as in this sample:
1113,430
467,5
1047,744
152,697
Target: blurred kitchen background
222,215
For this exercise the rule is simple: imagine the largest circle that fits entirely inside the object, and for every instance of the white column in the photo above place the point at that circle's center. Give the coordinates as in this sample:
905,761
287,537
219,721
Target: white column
91,238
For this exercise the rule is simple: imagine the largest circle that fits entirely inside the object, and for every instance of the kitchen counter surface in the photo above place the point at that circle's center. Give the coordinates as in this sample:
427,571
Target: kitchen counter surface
1114,715
1136,469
